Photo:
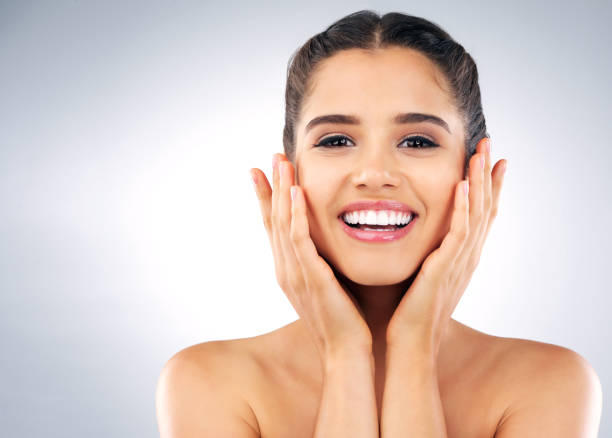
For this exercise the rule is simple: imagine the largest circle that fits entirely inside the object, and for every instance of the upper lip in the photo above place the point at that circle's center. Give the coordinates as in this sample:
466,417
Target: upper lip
381,204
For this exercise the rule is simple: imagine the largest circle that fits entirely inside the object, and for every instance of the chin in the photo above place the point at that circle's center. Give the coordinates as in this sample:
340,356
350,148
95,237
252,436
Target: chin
384,265
377,277
369,271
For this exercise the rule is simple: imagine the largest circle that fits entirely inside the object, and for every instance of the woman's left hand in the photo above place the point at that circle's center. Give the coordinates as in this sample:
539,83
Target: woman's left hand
420,320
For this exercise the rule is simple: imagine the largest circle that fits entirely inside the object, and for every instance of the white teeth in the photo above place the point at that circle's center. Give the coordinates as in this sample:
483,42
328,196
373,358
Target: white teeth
382,218
392,218
379,217
371,218
362,217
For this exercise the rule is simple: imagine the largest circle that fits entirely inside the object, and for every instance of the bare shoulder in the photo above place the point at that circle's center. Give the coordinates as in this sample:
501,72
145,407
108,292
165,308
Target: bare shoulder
203,389
548,390
539,362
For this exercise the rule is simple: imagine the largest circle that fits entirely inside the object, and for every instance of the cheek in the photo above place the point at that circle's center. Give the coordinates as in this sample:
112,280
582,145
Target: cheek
436,191
320,189
318,210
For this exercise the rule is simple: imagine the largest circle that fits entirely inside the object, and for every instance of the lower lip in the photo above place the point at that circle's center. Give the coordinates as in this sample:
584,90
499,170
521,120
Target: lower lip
377,236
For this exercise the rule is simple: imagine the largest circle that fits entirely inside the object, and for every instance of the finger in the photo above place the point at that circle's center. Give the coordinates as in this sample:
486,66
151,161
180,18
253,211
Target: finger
264,195
276,159
316,271
479,216
292,264
488,190
306,253
477,180
474,256
279,255
498,175
444,257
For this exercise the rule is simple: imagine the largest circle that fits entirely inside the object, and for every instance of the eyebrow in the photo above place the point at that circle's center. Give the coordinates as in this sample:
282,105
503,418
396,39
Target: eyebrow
398,119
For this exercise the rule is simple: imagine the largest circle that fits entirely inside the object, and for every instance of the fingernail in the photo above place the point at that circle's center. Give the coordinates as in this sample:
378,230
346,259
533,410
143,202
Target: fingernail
489,145
253,177
466,188
274,160
293,189
503,168
482,161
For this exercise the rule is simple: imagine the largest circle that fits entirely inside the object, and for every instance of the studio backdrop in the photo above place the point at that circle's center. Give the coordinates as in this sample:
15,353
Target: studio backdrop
129,228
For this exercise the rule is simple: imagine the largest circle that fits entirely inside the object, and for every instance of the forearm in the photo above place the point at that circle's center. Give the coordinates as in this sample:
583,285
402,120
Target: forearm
348,401
411,404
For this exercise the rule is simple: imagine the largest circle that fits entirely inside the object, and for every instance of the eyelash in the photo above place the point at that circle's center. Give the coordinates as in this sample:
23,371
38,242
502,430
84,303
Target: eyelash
323,143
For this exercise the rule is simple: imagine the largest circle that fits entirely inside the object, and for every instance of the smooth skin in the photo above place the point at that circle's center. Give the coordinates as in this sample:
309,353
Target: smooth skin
425,309
308,281
374,354
420,319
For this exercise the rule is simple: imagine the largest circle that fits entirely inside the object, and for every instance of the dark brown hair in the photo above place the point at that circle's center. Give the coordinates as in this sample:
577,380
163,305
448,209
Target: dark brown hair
368,30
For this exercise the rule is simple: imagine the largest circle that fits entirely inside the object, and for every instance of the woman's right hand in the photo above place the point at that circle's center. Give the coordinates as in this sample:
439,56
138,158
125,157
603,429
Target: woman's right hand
327,307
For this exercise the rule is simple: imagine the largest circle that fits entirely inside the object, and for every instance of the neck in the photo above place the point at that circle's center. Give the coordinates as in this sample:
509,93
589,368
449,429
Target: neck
378,303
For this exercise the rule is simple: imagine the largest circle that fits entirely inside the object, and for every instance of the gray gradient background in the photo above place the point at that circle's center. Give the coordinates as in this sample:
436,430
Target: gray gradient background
129,229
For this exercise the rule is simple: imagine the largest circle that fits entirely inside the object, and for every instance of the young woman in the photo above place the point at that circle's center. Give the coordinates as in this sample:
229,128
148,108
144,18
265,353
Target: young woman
377,215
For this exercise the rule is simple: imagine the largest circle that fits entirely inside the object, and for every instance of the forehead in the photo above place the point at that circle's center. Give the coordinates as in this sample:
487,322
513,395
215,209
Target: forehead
376,85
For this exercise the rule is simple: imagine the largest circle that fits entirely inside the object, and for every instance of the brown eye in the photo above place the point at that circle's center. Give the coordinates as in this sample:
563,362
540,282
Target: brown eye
419,142
334,141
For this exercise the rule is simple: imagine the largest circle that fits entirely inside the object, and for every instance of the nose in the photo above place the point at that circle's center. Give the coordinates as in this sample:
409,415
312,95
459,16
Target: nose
375,170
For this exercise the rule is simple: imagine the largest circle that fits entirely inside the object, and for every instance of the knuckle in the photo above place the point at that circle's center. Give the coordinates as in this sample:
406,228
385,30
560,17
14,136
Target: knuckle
327,275
280,276
471,264
488,203
283,226
296,235
282,282
493,212
426,270
296,283
267,223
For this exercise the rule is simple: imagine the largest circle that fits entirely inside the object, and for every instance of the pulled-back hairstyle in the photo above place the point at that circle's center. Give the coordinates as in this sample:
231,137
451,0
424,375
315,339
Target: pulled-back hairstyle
367,30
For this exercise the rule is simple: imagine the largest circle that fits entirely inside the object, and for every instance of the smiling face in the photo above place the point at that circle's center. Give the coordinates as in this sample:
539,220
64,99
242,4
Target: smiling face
378,158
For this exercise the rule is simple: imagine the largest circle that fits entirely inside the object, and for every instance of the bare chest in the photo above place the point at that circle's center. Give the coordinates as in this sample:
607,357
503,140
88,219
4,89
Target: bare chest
286,405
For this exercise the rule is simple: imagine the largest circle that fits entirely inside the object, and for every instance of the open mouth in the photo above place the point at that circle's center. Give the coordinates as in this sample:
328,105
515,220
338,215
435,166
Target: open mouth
376,227
381,223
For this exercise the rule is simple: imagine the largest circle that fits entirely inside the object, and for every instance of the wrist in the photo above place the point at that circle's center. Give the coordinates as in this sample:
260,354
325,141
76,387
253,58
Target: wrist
341,357
411,350
415,342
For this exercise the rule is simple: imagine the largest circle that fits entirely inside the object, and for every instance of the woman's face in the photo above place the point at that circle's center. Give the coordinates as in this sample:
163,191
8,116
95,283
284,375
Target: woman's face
375,161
